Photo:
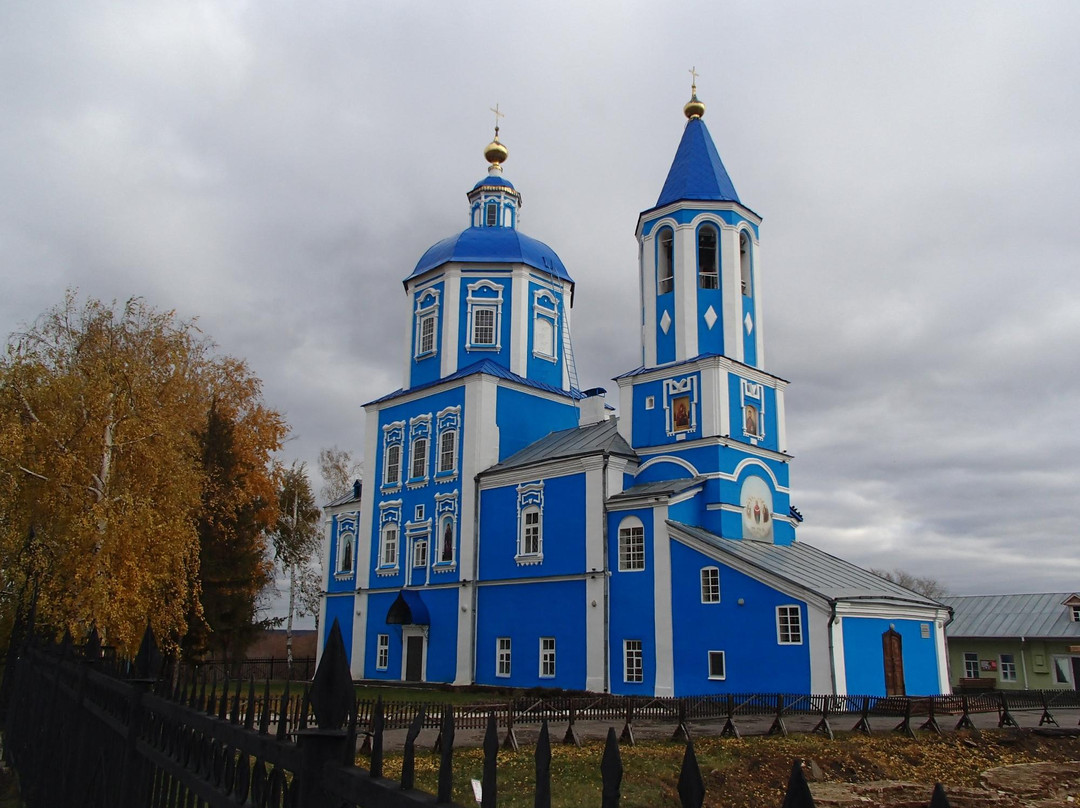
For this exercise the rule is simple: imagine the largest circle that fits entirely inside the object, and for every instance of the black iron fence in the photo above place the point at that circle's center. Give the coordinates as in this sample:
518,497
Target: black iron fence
260,668
86,729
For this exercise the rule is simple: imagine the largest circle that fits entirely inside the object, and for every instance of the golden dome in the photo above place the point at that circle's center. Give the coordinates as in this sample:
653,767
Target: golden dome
694,108
495,152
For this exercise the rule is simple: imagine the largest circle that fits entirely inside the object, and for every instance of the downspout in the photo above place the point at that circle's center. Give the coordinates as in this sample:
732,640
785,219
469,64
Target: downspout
476,573
607,579
832,650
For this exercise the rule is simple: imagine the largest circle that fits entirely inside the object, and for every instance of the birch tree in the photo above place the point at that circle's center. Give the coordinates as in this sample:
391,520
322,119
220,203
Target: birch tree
297,537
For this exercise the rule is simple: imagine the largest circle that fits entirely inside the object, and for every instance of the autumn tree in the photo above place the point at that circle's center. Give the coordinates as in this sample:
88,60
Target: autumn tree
296,539
104,412
926,586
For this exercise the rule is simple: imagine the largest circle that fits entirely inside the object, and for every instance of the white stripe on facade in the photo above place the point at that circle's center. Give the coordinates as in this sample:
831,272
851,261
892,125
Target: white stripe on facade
663,629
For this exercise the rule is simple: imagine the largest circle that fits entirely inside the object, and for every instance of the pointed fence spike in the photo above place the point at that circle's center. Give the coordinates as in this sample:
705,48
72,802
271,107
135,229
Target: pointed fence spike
446,752
378,722
408,763
611,772
305,708
211,700
249,714
350,734
798,790
148,661
283,714
264,713
691,783
332,686
92,649
542,798
939,799
235,717
489,787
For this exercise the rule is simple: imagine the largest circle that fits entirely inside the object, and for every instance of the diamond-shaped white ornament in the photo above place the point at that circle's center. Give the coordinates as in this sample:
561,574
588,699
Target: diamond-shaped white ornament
749,323
665,322
710,317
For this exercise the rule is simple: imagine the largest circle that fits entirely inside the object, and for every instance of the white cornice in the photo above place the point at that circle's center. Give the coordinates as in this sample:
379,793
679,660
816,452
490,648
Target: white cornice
716,440
681,367
702,205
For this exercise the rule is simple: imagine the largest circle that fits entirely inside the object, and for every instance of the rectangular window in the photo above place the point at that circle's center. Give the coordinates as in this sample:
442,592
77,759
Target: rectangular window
447,451
425,343
547,657
633,669
484,326
1075,613
971,666
710,585
788,625
1061,670
530,542
419,459
717,669
1008,668
389,548
392,465
420,553
631,548
382,657
502,657
418,513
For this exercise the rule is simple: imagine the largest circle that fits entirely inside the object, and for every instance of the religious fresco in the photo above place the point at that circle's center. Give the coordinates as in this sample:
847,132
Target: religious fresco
757,509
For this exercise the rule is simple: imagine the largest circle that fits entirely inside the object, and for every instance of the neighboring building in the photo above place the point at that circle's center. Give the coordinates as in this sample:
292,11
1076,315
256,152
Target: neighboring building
1017,642
511,532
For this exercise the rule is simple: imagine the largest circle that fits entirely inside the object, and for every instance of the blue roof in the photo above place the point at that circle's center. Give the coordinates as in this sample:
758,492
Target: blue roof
697,172
490,181
493,245
491,368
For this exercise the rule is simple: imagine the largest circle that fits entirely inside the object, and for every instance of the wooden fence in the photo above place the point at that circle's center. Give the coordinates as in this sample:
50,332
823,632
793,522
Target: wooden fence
86,729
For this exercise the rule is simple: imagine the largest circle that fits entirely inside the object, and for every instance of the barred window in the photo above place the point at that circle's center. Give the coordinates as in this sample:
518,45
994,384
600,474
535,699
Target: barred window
631,547
789,625
633,668
710,585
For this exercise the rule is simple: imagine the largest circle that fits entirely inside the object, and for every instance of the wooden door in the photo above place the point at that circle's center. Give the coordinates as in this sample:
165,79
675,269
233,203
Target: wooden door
414,659
892,646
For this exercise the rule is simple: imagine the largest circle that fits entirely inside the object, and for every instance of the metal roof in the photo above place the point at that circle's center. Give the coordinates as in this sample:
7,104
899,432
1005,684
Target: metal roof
1040,615
697,173
492,245
660,488
352,495
810,568
575,442
488,366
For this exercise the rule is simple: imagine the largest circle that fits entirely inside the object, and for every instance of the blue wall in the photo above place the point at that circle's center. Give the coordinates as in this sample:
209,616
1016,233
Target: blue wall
523,418
755,660
525,613
428,367
340,608
442,606
632,610
865,660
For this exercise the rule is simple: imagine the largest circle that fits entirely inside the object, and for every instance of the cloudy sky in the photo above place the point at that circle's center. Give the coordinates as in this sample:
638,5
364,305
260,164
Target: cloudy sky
275,169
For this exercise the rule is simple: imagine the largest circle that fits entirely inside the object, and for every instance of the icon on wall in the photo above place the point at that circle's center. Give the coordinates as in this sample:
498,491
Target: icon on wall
757,508
680,408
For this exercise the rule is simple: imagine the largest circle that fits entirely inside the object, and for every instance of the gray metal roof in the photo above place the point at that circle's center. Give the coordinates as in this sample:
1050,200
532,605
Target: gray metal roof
576,442
810,568
352,495
661,488
1041,615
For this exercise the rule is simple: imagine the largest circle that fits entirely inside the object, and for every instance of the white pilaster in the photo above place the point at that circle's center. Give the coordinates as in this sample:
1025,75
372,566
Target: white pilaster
451,326
519,321
663,639
818,636
685,294
359,644
943,658
836,635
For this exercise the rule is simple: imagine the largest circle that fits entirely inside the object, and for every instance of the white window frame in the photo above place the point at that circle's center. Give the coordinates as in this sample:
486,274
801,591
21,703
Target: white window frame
1075,613
426,312
491,213
789,631
442,466
971,665
752,394
389,545
1007,670
665,284
393,436
503,657
420,551
631,558
447,426
713,277
446,511
484,295
723,665
346,541
382,652
529,531
633,662
710,584
547,657
546,312
418,458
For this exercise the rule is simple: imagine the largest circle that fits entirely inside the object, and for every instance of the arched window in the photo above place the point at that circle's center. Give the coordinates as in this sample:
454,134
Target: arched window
392,466
446,549
447,451
492,214
388,556
531,535
665,258
345,551
708,258
631,545
745,264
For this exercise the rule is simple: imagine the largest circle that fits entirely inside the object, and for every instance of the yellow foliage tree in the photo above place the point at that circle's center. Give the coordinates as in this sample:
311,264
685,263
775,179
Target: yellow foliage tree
101,411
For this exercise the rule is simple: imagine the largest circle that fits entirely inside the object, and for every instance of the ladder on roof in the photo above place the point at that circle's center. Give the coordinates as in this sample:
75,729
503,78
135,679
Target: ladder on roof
568,351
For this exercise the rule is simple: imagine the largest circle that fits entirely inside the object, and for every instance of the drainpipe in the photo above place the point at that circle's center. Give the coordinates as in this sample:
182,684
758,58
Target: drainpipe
832,650
476,572
1023,661
607,579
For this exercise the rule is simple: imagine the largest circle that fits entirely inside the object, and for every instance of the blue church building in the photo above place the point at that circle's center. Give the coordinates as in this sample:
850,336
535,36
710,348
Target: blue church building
512,531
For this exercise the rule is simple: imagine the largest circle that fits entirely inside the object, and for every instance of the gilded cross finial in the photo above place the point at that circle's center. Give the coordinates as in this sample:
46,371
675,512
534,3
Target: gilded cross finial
693,108
693,79
498,115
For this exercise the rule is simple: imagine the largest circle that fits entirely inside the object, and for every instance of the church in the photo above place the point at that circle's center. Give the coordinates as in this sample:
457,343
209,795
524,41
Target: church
512,531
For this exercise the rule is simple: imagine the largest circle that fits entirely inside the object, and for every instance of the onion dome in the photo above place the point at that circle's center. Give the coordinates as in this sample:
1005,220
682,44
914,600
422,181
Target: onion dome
693,108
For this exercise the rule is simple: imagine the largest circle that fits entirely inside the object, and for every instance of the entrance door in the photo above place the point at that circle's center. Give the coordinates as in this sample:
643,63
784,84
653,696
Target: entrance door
1076,672
892,646
414,659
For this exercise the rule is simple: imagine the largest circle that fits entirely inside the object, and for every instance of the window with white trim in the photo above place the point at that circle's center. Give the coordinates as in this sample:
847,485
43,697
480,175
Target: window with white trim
426,312
491,212
1007,668
530,545
346,542
717,665
1075,613
971,665
388,549
665,261
631,545
447,426
633,661
484,300
420,553
789,625
382,653
447,451
502,656
547,657
545,324
393,439
708,256
710,584
1061,670
419,459
446,540
745,264
444,552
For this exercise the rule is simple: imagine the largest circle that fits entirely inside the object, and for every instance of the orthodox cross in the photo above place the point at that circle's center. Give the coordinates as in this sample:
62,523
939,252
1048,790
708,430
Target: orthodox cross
498,115
693,78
